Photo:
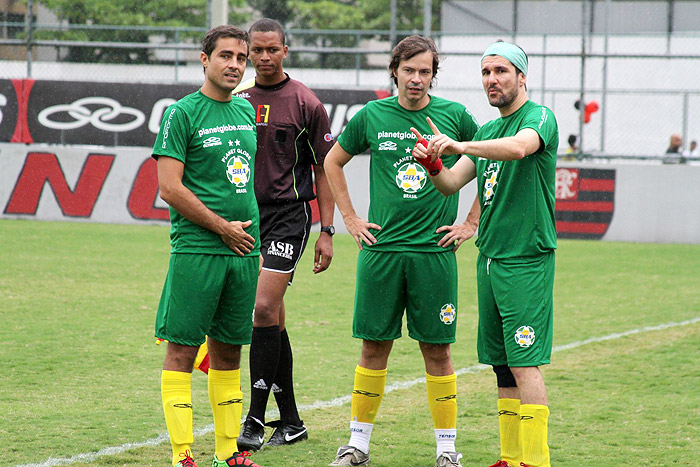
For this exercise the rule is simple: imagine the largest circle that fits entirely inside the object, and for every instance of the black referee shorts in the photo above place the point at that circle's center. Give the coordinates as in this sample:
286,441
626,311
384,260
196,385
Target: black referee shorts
284,231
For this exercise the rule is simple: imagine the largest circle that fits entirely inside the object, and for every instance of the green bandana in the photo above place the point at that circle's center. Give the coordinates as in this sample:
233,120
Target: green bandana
510,52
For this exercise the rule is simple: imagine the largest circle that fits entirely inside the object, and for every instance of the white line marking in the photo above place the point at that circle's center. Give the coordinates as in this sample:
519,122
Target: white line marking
338,401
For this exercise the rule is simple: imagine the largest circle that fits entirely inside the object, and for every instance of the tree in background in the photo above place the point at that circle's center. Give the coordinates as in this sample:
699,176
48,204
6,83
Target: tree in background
275,9
357,15
129,15
86,19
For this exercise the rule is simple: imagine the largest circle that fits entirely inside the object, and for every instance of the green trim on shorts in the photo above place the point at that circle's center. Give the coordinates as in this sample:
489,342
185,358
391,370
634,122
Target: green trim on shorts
516,310
424,285
208,295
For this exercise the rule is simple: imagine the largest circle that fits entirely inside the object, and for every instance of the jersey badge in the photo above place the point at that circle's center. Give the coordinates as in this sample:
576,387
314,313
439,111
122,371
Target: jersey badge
238,171
490,181
328,137
411,177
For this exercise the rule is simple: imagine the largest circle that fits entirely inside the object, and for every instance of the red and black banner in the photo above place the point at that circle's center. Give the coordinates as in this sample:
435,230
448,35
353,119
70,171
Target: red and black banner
117,114
585,202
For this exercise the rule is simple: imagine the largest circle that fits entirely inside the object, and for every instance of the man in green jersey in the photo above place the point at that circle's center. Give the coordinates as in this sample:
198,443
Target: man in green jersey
206,153
409,235
513,159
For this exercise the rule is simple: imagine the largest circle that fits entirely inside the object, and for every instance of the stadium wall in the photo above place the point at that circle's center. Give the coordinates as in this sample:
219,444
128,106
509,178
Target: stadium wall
637,203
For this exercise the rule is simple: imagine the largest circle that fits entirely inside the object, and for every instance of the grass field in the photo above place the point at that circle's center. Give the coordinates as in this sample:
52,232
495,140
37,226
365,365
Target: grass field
77,304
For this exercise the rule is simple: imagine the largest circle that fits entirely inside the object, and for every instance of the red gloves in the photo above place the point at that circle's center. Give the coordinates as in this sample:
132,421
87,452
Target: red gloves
434,167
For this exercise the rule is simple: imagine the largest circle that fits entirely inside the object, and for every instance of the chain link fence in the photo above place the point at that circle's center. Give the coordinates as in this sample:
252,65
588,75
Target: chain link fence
621,96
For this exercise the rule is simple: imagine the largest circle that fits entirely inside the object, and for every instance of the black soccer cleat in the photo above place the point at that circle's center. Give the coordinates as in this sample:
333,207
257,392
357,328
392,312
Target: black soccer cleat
252,435
287,434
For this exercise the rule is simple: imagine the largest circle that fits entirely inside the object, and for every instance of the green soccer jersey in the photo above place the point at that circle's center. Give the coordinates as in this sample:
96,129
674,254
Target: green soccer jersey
216,141
517,197
402,200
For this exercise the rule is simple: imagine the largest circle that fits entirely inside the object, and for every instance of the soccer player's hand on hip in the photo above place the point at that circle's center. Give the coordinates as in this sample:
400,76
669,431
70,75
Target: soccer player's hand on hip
456,234
359,229
237,239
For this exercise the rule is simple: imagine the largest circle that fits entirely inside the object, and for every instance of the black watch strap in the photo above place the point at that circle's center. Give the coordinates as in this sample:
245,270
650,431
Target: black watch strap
329,229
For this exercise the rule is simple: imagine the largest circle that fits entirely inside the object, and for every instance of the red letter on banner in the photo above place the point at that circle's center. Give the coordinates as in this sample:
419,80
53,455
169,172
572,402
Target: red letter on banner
142,199
40,167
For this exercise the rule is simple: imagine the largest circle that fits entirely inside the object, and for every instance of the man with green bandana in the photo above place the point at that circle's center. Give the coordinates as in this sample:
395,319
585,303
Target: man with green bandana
513,159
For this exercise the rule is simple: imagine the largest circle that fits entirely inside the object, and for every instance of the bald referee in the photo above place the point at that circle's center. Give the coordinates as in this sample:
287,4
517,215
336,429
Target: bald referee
513,159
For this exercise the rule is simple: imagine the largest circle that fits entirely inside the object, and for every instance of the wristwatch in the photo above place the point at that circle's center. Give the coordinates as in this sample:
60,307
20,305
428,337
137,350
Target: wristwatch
329,229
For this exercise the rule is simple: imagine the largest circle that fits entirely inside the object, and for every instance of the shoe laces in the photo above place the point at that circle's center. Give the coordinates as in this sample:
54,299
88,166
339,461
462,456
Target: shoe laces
187,460
501,464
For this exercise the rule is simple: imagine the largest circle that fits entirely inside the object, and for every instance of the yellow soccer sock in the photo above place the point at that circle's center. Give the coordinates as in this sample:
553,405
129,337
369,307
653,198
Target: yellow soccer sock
509,427
176,392
367,394
533,434
226,400
442,400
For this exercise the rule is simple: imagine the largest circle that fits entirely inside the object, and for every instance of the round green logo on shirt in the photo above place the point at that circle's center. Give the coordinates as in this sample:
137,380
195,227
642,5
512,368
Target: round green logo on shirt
411,177
238,171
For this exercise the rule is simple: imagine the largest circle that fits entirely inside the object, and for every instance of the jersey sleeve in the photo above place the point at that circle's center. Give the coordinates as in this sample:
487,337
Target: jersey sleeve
354,138
320,137
468,126
542,120
173,137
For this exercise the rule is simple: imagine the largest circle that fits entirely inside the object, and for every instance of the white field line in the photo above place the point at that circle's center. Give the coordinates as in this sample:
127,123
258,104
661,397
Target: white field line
338,401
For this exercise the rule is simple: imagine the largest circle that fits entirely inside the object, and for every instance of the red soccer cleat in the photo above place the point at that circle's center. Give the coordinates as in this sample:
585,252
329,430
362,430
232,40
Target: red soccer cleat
238,458
187,460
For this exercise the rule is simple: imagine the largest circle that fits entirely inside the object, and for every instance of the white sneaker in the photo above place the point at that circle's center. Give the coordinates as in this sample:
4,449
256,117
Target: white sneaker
449,459
350,455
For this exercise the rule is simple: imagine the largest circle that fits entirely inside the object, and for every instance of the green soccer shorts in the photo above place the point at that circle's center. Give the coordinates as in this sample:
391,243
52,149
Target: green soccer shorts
422,284
515,310
208,295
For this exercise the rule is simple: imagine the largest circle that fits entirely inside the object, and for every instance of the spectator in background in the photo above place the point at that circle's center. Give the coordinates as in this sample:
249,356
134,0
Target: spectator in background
573,141
673,153
572,149
692,150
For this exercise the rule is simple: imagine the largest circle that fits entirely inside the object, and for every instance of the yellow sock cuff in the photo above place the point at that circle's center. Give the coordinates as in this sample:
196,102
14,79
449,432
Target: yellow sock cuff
535,411
359,370
442,400
510,405
175,376
226,376
441,379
